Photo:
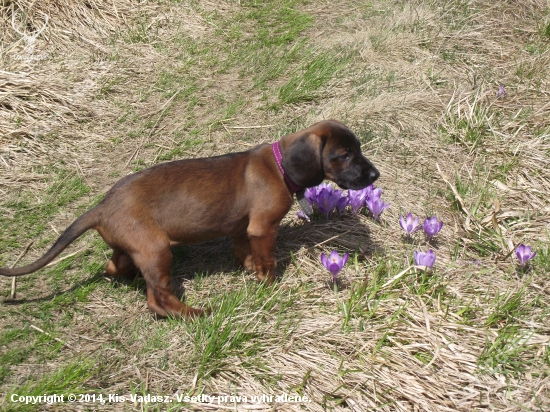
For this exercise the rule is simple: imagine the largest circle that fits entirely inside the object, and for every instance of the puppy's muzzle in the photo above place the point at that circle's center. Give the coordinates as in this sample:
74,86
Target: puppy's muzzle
359,177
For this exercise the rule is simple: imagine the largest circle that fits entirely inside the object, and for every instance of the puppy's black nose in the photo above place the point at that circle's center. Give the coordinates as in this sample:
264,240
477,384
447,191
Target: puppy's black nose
374,174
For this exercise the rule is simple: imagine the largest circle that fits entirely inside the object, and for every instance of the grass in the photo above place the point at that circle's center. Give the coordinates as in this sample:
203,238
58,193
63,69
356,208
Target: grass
31,217
306,83
416,81
68,378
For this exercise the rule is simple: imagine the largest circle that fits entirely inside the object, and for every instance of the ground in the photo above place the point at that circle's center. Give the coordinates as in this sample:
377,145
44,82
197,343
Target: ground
450,100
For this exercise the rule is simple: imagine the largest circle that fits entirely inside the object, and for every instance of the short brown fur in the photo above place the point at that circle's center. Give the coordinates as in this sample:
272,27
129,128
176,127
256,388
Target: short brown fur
240,195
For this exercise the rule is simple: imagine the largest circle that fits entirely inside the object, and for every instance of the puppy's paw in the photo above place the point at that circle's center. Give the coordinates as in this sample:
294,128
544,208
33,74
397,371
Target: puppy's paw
267,279
249,264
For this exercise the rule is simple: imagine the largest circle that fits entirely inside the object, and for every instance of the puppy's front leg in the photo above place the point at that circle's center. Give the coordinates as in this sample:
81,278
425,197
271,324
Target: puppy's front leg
262,242
243,252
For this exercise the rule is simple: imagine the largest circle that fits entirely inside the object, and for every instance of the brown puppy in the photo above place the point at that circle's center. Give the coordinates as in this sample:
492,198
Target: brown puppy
241,195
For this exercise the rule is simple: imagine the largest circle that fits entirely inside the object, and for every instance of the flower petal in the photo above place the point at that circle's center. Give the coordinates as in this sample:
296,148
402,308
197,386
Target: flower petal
416,225
334,256
334,269
425,258
344,259
403,224
325,260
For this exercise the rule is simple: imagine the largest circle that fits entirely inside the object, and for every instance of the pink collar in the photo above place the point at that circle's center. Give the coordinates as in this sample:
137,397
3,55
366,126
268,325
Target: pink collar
276,147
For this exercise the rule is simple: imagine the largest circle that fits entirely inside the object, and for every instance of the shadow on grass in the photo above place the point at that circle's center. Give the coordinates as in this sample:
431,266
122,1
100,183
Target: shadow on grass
84,285
296,240
346,233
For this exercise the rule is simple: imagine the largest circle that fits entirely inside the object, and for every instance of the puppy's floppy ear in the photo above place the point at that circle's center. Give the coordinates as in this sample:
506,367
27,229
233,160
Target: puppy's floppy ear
303,161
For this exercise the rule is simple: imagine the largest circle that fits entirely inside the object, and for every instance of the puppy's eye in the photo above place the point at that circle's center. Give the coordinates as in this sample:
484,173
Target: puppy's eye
344,156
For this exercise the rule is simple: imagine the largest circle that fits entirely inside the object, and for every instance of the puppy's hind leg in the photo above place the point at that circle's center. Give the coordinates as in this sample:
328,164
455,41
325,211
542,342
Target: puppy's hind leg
154,259
121,264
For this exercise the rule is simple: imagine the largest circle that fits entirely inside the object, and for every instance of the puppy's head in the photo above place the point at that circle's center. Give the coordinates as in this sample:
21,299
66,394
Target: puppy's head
328,150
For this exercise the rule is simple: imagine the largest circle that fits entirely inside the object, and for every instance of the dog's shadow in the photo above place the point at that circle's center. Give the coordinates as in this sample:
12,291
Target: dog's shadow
98,276
346,233
296,239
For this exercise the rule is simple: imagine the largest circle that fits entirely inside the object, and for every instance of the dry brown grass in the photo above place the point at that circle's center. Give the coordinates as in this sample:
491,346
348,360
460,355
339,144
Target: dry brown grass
95,95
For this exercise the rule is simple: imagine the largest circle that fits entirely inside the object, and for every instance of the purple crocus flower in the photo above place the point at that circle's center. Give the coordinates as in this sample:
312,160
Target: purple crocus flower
356,199
409,225
376,206
501,91
325,186
432,227
342,203
373,192
327,200
424,258
334,263
300,214
524,254
310,194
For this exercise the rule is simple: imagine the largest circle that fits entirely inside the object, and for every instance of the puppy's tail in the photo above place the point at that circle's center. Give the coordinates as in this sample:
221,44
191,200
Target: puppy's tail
77,228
